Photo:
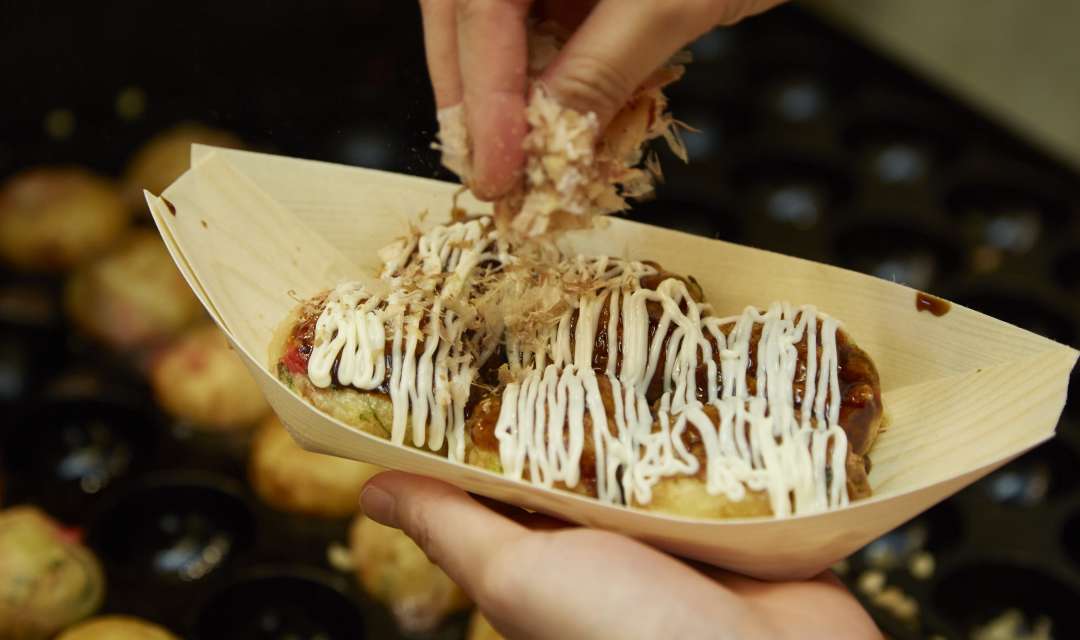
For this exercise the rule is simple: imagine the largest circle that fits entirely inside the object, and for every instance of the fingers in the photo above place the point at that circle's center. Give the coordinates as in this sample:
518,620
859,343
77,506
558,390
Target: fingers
493,54
569,583
621,43
617,47
455,531
441,50
582,583
477,54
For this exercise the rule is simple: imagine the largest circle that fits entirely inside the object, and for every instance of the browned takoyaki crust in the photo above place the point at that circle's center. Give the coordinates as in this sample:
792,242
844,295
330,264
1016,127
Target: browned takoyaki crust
861,415
163,158
655,311
394,571
47,580
200,379
860,386
482,449
54,218
116,627
369,411
856,468
861,410
133,298
291,479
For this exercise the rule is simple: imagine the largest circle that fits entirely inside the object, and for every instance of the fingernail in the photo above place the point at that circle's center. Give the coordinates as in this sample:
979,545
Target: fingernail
379,506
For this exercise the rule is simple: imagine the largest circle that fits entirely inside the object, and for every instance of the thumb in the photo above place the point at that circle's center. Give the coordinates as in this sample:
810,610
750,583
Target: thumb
454,530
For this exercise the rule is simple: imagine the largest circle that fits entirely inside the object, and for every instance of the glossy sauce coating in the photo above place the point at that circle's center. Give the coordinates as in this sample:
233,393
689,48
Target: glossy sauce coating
777,401
932,304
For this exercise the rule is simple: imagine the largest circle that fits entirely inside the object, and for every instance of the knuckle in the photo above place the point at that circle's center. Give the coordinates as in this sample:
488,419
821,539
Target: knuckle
730,12
591,83
468,9
686,16
672,13
471,9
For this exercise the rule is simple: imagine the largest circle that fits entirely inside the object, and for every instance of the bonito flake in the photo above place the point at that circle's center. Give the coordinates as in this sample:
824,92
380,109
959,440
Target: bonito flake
573,171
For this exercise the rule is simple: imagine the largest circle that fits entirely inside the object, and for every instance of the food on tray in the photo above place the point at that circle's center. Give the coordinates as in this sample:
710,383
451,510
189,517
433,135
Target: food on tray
853,406
394,571
165,157
47,581
116,628
200,379
364,388
608,377
54,218
292,479
573,170
133,297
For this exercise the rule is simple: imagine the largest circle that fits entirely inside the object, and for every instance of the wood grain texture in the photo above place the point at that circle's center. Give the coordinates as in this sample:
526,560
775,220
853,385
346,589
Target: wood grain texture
157,210
965,393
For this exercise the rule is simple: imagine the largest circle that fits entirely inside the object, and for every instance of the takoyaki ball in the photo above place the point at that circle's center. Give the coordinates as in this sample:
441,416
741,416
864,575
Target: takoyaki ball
862,413
166,156
861,409
686,495
200,379
291,479
394,571
482,447
860,416
51,219
132,298
116,628
480,628
369,411
47,581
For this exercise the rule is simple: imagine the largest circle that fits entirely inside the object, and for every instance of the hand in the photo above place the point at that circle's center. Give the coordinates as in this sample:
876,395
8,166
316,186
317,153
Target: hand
535,578
477,53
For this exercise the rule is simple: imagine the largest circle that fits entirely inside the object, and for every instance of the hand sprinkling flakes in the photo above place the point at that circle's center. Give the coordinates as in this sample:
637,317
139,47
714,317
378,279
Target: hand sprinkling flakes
574,169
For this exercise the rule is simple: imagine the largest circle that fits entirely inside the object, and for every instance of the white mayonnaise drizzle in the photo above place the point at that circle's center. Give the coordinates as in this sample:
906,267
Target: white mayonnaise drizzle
424,320
548,412
758,442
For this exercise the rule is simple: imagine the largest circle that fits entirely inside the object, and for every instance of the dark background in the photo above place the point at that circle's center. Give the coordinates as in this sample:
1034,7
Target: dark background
811,145
299,77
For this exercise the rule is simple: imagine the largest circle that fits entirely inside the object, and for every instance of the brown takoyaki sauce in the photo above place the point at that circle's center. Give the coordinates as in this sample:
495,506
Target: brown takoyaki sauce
933,304
859,386
859,405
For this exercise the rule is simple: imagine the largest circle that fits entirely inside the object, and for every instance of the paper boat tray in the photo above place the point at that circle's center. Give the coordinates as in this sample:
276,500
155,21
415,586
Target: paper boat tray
964,393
